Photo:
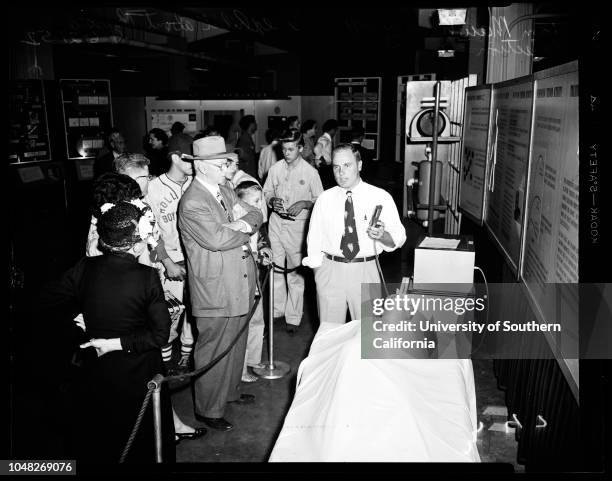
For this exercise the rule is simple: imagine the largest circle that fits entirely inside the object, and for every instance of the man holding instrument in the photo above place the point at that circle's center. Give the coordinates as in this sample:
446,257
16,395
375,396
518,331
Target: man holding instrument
344,239
221,277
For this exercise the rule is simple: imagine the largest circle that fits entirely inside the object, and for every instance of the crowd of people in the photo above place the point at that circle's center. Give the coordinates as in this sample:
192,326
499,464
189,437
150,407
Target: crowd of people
189,224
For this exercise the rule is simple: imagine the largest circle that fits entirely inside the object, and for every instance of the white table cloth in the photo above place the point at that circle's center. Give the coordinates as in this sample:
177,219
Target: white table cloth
360,410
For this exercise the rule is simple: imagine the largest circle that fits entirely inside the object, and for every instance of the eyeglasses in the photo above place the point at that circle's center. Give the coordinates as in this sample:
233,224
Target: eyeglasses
148,177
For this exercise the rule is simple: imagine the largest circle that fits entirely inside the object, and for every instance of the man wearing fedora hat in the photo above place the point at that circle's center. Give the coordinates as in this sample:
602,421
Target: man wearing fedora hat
221,277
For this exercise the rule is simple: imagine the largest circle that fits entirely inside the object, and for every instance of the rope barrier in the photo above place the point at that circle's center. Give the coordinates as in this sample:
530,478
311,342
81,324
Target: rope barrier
284,270
136,427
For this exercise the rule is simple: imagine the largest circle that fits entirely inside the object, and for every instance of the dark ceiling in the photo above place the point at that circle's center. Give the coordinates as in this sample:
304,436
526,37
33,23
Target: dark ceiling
186,50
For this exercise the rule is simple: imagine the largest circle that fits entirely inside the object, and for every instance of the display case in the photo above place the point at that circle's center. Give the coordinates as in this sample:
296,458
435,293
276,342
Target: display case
358,105
88,116
28,124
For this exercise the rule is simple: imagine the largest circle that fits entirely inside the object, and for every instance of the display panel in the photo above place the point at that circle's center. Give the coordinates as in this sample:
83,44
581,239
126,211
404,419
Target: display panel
358,105
551,229
511,115
475,145
28,130
88,117
164,118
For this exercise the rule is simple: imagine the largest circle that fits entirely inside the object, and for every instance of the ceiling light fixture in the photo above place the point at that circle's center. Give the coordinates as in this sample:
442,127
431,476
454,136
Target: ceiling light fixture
129,70
199,69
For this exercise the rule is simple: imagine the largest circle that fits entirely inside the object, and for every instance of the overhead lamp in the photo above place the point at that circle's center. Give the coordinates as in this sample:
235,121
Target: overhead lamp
199,69
129,70
446,53
452,17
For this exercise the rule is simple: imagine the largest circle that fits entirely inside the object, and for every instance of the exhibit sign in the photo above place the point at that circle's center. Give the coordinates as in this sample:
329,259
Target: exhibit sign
164,118
508,163
550,258
88,116
474,149
28,132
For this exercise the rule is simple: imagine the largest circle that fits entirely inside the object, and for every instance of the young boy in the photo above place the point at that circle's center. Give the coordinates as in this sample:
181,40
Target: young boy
251,193
291,189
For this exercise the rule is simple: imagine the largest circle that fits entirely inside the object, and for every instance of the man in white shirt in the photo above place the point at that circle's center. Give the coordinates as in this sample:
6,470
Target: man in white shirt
342,244
163,196
291,189
267,156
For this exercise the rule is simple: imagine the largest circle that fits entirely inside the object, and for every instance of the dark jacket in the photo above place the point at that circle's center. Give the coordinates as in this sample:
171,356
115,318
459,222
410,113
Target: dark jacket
118,298
103,164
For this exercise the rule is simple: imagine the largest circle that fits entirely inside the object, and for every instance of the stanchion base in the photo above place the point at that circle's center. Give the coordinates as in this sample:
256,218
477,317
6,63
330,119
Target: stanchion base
279,370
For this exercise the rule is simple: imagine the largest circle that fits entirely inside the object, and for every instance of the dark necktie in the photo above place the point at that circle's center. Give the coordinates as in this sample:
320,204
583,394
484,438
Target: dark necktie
220,199
350,242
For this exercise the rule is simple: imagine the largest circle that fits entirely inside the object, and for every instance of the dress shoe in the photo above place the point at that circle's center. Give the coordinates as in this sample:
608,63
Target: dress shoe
219,424
244,399
198,433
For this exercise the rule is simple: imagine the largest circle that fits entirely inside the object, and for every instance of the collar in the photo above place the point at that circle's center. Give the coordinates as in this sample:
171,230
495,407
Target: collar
115,154
327,135
180,184
295,165
212,188
117,255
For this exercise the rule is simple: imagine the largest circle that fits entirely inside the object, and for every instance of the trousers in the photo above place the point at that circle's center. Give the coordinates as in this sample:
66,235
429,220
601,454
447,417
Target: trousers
176,288
287,239
340,285
218,386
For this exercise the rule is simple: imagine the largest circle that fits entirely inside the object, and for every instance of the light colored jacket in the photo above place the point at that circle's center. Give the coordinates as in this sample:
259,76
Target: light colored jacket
220,271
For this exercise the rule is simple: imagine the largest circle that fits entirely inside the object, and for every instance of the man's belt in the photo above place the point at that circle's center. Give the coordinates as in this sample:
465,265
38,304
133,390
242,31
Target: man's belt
344,259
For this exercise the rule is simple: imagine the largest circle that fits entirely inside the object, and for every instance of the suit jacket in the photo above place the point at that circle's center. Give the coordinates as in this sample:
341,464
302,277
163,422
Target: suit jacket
220,272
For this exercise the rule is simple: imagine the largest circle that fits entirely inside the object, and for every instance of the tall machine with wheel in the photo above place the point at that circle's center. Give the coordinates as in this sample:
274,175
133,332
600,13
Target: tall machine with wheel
428,140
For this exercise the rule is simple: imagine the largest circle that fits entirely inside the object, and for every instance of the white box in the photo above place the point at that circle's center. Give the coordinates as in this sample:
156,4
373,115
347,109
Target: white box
445,266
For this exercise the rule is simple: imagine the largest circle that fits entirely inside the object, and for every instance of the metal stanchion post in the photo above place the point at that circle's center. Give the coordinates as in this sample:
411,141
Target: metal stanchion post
156,384
272,369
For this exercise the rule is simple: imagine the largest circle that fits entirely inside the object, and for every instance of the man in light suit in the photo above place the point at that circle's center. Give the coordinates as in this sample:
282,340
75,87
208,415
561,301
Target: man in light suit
221,277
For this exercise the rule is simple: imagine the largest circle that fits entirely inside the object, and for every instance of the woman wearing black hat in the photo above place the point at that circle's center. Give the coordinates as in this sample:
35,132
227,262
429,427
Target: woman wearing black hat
128,322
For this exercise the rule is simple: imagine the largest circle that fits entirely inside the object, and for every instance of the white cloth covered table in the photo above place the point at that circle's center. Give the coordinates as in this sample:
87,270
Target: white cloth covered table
367,410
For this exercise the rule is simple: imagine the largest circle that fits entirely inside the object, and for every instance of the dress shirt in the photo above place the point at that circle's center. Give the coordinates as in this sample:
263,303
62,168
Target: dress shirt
267,158
292,184
216,193
327,222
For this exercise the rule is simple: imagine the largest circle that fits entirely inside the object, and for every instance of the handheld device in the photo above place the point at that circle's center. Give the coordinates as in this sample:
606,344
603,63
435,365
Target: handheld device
375,215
